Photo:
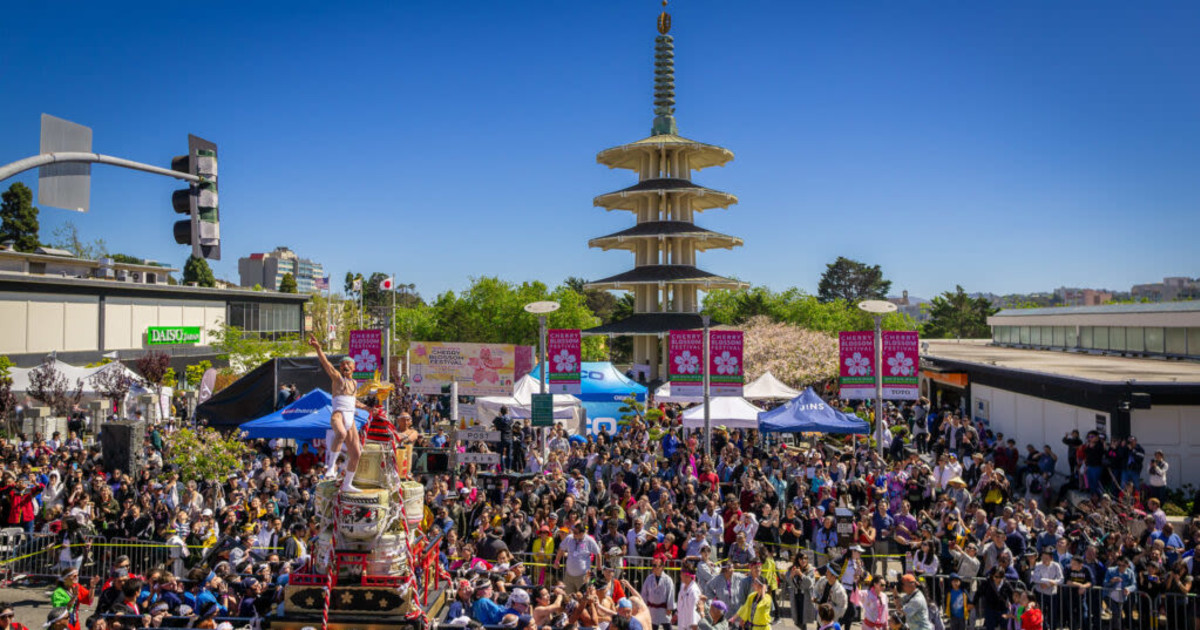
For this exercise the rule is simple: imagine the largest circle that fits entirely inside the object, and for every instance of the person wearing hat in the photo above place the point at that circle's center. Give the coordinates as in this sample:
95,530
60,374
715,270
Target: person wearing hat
727,587
7,618
713,615
543,551
625,612
829,590
913,604
688,601
460,606
755,614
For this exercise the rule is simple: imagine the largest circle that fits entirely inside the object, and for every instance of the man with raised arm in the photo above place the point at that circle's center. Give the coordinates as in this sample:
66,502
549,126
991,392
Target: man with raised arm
343,388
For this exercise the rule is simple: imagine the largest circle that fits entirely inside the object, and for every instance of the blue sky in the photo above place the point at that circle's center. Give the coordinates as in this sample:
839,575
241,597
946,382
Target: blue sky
1007,147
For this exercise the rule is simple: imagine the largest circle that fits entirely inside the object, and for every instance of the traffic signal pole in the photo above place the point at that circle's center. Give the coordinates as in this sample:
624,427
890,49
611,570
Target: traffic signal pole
29,163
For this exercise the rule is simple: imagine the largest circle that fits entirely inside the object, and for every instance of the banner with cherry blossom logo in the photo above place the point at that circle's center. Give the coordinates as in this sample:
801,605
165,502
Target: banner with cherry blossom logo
901,364
856,351
725,373
563,352
366,348
685,356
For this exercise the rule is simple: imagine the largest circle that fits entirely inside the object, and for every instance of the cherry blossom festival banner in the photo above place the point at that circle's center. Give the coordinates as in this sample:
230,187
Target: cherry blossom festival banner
856,350
366,348
685,357
901,364
725,373
563,353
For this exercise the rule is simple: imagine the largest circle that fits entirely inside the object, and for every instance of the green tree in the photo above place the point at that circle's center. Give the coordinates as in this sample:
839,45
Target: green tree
245,351
793,306
600,303
8,401
287,284
197,270
852,281
204,454
958,315
194,373
66,236
127,259
19,218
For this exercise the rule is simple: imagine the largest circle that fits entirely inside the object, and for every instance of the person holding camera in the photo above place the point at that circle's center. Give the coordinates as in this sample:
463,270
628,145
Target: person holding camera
913,604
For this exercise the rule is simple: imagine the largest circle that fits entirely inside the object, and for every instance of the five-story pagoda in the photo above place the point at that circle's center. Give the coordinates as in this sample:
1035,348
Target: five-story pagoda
665,280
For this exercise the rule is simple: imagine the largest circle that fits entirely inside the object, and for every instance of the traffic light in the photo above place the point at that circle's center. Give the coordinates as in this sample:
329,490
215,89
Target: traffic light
202,230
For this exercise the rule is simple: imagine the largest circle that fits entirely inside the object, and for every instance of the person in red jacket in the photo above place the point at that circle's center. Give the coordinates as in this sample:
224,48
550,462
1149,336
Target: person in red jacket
6,618
20,502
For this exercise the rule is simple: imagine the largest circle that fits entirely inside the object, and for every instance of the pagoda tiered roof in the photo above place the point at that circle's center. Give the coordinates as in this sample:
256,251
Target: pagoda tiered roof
704,238
700,155
666,274
649,324
702,198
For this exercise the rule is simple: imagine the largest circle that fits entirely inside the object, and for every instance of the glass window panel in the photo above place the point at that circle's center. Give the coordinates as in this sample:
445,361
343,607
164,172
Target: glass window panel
1035,336
1086,337
1135,339
1116,338
1176,341
1193,342
1072,337
1101,337
1154,340
1047,335
1060,336
1024,335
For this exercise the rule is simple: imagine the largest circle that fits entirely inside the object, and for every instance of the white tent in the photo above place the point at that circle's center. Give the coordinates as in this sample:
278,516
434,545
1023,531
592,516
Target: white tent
663,394
731,411
520,404
20,376
767,387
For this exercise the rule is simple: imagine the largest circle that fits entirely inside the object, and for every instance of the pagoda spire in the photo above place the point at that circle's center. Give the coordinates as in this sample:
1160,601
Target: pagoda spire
664,77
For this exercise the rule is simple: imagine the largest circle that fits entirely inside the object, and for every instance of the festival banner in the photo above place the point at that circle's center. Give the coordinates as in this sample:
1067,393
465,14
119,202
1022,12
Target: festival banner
480,369
901,364
564,349
685,358
366,348
856,351
725,368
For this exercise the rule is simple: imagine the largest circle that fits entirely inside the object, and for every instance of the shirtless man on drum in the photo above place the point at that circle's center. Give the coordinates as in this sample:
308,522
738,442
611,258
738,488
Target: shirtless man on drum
345,431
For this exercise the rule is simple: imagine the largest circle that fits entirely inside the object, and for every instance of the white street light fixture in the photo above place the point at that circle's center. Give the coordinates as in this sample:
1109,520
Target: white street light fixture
878,308
541,309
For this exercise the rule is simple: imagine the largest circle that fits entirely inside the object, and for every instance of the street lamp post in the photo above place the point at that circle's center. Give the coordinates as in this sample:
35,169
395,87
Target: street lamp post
541,309
707,392
878,308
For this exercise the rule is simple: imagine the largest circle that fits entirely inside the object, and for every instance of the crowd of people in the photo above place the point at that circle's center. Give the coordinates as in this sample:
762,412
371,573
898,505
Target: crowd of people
952,526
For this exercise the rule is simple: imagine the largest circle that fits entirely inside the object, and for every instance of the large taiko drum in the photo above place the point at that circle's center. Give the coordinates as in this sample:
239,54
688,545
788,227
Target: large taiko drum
377,464
389,555
413,494
360,515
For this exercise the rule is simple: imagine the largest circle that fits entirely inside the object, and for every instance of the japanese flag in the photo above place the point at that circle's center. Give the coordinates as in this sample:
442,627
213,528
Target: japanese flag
387,284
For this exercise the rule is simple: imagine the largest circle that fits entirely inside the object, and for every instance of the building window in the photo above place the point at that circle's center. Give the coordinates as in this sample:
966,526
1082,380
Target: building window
1101,338
1176,341
1035,335
1060,336
1135,339
1072,337
1154,340
1086,337
1024,338
1047,335
1193,342
1116,338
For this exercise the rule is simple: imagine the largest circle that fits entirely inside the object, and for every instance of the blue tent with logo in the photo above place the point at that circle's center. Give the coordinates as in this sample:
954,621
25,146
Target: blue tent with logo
303,420
603,387
808,413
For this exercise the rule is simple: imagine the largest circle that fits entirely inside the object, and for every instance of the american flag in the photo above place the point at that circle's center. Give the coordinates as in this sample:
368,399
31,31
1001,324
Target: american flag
322,283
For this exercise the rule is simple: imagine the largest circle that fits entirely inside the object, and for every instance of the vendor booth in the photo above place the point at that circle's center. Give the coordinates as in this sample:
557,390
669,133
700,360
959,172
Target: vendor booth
729,411
304,420
767,387
603,388
808,413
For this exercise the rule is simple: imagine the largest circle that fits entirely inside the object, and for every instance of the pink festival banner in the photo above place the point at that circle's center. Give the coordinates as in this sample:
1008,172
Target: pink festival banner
563,353
725,369
856,350
901,364
366,348
685,357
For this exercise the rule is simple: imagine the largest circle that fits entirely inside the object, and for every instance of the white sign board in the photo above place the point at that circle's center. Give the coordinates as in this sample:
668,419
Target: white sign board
477,435
478,458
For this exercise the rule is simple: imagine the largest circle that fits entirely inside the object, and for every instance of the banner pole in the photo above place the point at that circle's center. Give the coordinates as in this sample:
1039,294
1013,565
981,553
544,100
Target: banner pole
707,393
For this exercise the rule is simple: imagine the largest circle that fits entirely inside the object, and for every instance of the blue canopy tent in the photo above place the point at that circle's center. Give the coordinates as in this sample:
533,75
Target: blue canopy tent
807,413
304,420
602,387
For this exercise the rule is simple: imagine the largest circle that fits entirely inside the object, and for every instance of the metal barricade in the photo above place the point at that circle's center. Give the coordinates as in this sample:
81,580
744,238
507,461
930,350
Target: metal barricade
144,555
1178,610
33,555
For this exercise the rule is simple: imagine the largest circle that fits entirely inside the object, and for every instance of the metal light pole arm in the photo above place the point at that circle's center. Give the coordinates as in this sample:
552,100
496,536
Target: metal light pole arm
29,163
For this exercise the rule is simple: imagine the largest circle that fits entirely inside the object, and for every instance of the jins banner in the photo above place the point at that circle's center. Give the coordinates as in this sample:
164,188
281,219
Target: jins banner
563,352
857,358
725,373
685,357
900,365
366,350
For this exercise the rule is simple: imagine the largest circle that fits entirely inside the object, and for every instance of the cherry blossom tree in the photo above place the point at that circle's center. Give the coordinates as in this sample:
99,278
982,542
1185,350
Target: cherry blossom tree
796,356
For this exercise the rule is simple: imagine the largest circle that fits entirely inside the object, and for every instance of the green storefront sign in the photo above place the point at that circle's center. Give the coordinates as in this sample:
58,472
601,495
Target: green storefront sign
172,335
